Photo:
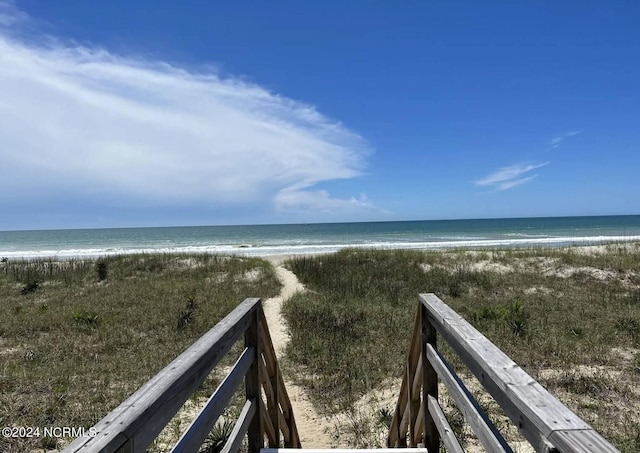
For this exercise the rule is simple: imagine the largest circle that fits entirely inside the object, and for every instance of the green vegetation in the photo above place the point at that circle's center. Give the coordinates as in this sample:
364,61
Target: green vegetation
78,337
217,438
570,318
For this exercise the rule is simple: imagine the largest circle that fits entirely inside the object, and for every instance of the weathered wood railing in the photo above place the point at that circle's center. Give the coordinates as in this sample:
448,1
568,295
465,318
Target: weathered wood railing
133,425
543,420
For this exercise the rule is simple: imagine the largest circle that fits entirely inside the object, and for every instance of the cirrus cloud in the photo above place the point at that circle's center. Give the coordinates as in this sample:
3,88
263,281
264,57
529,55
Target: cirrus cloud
557,140
86,122
511,176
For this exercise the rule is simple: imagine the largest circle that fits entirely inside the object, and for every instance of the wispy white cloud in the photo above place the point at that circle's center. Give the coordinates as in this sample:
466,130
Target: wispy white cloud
87,122
508,177
300,199
10,14
556,141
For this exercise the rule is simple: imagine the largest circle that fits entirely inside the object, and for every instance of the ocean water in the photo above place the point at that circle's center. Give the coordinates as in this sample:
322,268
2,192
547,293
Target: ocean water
263,240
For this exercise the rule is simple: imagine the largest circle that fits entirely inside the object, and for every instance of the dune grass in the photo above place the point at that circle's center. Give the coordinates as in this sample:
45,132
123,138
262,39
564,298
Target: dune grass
570,318
77,337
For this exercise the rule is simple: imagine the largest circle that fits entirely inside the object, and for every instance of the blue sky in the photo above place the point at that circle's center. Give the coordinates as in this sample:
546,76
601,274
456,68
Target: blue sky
152,113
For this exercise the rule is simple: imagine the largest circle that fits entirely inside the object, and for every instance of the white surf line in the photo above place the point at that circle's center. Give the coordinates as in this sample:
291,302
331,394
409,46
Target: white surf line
312,427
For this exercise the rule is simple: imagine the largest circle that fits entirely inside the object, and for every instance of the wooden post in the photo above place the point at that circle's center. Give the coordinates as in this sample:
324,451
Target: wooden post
274,410
412,413
413,398
395,427
255,434
429,382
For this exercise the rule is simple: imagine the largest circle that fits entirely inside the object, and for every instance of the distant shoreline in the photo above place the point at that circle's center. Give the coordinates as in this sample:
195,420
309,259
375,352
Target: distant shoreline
312,239
594,246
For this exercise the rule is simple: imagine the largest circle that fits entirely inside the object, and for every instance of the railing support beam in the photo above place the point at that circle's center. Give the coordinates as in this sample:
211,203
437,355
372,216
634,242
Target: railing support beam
543,420
133,425
255,433
429,381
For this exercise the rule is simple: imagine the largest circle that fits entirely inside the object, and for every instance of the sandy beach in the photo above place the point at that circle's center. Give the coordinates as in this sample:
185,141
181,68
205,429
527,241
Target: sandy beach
482,284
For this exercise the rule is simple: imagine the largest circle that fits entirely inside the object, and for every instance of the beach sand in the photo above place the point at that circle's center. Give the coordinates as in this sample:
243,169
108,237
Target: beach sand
317,431
320,431
313,428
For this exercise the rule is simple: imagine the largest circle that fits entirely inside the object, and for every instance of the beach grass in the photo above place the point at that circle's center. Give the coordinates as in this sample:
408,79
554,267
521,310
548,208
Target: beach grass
77,337
569,316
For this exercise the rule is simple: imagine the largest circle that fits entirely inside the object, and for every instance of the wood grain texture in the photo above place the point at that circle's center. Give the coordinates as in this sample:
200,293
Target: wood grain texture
446,433
417,430
270,376
192,439
429,380
543,420
408,406
141,417
281,414
537,414
267,347
285,429
266,384
476,417
269,429
255,433
133,425
249,411
580,440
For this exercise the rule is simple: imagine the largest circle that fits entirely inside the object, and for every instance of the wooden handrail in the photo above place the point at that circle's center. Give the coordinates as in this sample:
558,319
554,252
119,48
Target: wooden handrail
543,420
280,408
133,425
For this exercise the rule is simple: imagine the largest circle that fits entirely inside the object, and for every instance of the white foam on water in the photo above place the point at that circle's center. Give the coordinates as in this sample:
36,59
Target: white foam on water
303,249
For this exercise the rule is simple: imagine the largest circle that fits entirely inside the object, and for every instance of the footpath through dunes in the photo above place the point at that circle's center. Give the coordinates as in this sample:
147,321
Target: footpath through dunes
313,428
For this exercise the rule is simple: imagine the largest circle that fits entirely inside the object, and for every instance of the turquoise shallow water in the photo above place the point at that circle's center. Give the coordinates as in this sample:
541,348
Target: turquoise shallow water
262,240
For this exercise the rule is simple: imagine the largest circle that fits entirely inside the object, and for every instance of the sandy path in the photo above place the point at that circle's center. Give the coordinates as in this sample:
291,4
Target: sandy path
312,428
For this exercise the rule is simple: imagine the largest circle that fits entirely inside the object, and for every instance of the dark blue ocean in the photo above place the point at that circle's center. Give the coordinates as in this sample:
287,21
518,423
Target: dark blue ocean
263,240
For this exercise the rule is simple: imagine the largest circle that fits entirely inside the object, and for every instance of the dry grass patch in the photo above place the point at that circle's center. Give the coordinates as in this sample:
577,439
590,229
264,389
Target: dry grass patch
350,330
78,337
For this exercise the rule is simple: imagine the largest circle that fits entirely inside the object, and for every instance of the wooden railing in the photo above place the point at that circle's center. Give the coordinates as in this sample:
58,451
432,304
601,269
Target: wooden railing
419,419
133,425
